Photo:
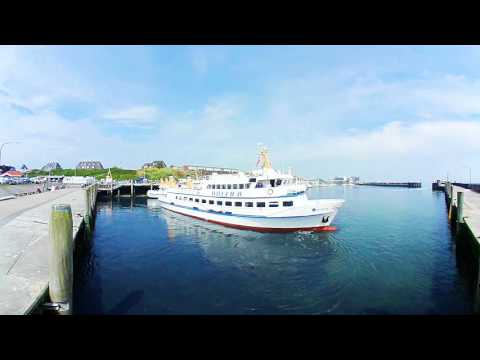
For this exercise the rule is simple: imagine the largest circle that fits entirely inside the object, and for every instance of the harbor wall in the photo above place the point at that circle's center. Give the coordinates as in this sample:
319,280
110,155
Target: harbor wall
464,218
25,242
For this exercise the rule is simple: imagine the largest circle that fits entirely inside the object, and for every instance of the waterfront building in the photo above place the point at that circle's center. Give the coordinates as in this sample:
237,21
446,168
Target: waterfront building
52,166
155,164
90,165
208,170
340,180
78,180
12,173
5,168
345,180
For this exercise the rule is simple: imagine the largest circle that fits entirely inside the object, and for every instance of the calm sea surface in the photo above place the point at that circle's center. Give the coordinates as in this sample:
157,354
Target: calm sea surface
393,253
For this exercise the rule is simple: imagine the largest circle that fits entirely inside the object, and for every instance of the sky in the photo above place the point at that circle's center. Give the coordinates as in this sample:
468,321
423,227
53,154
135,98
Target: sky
384,113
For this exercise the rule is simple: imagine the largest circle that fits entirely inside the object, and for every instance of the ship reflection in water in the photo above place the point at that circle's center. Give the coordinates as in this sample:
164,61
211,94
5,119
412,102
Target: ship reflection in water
283,268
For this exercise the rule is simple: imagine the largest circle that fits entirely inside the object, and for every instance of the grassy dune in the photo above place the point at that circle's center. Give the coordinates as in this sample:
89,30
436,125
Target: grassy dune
117,173
157,174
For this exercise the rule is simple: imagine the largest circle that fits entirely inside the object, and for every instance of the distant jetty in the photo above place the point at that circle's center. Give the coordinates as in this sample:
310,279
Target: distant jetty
393,184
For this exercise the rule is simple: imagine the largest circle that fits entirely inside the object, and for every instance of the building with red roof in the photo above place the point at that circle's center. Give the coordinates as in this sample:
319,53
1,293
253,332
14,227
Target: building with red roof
12,173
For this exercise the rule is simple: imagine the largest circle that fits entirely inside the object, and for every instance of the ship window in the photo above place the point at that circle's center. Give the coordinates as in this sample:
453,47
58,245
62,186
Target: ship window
228,203
223,186
238,203
191,199
197,200
235,186
259,185
288,203
273,204
272,183
249,204
260,204
278,182
184,198
219,203
240,186
211,202
229,186
253,180
247,186
217,186
204,201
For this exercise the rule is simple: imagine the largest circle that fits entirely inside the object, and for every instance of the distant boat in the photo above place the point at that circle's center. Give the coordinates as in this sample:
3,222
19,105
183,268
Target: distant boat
154,194
262,200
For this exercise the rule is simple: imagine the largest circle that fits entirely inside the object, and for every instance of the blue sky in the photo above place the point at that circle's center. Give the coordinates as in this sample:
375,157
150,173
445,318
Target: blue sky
379,112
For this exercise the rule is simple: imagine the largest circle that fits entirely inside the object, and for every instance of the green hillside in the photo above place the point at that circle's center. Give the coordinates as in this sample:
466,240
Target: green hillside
117,173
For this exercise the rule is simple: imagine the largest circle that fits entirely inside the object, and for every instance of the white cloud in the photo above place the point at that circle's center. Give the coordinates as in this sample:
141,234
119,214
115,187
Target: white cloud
396,151
338,122
134,116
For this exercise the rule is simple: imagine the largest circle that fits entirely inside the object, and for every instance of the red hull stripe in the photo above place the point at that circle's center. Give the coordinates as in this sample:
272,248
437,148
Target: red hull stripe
263,229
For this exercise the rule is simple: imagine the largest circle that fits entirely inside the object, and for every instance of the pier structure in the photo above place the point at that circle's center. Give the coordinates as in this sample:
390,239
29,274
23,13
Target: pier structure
393,184
464,214
38,234
126,188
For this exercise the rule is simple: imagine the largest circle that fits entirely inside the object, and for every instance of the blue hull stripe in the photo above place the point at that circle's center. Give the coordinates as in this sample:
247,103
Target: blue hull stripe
237,215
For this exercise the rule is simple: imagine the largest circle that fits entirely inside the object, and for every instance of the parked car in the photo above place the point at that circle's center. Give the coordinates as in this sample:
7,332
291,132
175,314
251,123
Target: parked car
141,180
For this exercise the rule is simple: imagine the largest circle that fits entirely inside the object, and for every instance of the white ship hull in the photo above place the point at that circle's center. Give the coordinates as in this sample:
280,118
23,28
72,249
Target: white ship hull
320,221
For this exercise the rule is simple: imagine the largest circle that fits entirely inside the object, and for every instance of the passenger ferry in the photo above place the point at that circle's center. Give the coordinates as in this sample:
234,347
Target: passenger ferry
263,200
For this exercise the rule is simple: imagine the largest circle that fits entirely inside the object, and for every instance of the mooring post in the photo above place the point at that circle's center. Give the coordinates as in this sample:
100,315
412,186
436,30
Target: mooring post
460,219
61,258
87,217
476,301
132,190
460,207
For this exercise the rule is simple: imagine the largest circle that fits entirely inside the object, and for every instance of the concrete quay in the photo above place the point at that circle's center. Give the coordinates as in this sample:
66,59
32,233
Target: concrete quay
24,246
464,212
11,191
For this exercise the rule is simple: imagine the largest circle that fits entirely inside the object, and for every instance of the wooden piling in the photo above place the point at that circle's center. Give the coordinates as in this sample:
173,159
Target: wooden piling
460,207
131,188
61,258
88,212
476,300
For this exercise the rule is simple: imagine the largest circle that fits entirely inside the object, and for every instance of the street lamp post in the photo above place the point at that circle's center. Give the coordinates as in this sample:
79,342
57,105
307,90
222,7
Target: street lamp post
469,174
1,148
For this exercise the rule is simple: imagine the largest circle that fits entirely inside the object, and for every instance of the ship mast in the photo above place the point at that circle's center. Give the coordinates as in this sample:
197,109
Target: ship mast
263,159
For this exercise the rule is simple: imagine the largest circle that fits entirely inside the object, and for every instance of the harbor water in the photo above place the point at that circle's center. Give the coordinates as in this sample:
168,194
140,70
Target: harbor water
393,253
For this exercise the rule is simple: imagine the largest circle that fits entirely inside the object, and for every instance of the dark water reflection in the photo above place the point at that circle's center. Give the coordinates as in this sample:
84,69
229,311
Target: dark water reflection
393,254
